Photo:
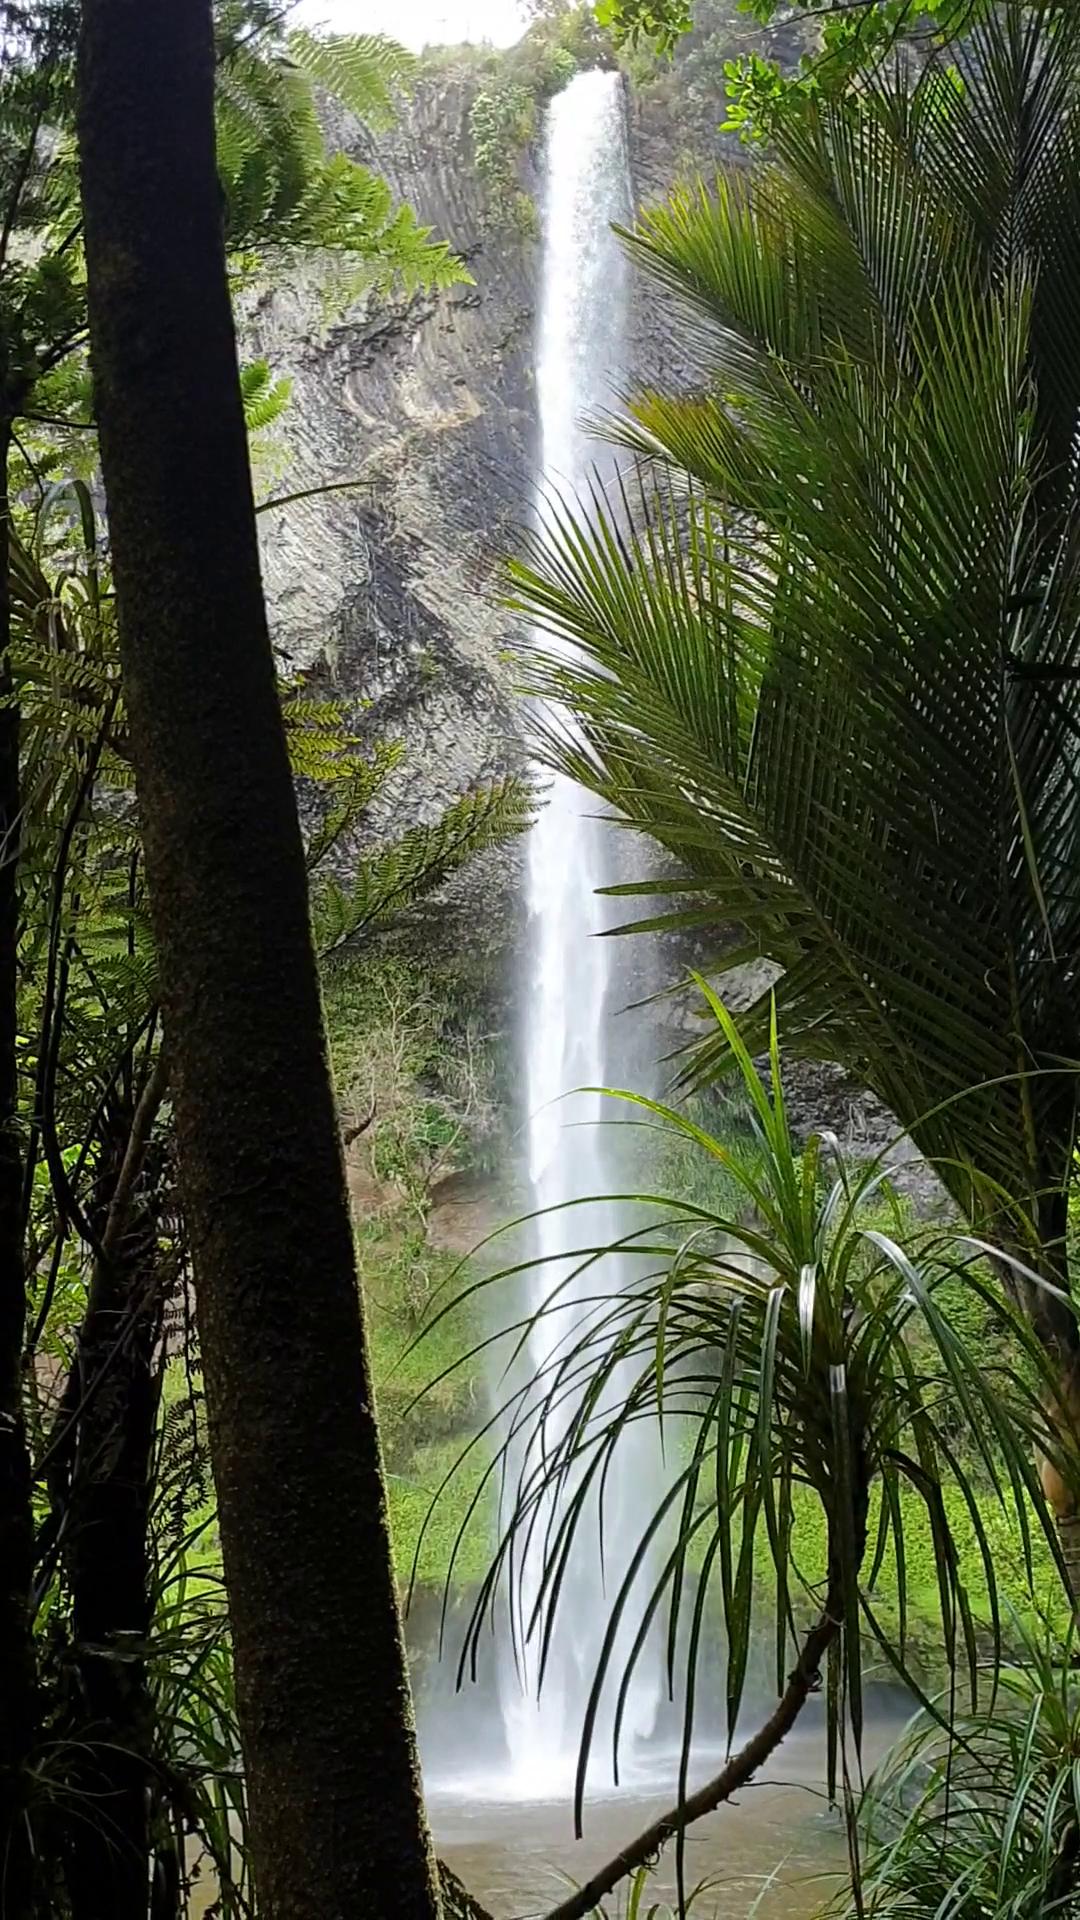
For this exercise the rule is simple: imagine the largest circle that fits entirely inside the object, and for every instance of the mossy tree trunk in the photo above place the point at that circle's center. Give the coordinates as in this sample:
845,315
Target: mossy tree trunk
337,1816
16,1525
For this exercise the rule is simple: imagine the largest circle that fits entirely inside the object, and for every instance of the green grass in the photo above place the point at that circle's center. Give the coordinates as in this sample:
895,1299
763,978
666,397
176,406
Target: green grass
430,1407
446,1532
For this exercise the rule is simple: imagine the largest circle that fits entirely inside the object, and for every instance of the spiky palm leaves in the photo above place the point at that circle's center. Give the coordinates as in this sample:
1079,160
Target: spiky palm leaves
819,1408
985,1824
826,641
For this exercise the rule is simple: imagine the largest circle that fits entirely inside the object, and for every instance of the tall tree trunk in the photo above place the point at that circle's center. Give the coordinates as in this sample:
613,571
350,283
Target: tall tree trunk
16,1524
337,1816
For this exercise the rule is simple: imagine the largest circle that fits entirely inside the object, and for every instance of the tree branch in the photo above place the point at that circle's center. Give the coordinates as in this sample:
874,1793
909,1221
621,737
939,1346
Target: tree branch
738,1772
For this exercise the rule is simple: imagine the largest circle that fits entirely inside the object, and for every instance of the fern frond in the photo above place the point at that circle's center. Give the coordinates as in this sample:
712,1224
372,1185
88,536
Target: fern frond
264,397
380,243
352,800
362,71
284,190
397,877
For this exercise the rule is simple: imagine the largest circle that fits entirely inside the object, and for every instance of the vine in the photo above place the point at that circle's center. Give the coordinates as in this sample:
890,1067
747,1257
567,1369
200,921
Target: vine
502,122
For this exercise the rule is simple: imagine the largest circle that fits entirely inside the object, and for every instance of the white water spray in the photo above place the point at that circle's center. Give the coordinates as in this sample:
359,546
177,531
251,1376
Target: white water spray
568,1035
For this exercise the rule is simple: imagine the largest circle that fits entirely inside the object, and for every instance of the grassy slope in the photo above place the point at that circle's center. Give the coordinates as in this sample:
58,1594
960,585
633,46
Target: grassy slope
433,1401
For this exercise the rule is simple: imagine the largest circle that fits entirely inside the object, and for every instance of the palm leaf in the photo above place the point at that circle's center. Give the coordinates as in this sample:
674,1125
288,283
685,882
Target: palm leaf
823,644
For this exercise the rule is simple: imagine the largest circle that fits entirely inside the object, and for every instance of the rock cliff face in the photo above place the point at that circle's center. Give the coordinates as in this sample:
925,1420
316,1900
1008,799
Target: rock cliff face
388,592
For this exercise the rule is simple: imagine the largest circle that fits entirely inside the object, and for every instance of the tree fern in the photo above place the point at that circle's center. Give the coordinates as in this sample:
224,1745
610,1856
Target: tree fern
284,189
364,72
396,877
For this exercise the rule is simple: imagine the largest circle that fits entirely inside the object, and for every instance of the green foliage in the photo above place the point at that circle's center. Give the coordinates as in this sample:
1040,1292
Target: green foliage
265,398
824,639
404,1277
561,40
284,190
392,879
363,72
762,91
660,22
775,1339
412,1062
979,1817
502,122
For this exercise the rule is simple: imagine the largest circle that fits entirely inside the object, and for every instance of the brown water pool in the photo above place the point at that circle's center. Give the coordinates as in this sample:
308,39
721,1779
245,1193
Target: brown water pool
779,1846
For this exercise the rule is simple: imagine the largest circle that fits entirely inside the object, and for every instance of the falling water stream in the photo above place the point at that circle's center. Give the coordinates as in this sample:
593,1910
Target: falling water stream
570,1034
504,1825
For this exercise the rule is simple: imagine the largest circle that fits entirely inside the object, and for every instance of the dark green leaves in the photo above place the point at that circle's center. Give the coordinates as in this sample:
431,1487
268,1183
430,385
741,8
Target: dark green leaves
825,636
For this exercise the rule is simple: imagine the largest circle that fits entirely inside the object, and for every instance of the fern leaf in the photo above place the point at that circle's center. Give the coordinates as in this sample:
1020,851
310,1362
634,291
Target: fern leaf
397,877
362,71
265,398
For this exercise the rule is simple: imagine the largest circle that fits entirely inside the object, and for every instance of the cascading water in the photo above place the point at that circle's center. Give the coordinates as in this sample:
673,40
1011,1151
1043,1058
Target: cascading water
568,1039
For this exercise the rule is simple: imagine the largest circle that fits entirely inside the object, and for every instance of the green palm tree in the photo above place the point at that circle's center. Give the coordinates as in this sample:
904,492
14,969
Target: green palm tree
821,1410
826,629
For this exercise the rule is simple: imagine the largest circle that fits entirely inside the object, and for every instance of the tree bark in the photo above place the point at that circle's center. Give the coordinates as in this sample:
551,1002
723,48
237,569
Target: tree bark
16,1520
111,1408
337,1823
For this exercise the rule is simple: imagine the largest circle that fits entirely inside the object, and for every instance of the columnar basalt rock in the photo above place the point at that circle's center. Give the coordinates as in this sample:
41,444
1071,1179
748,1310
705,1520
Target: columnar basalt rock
389,593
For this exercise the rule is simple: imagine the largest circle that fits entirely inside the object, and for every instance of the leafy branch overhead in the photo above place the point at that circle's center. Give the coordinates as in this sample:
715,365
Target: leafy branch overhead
283,187
848,42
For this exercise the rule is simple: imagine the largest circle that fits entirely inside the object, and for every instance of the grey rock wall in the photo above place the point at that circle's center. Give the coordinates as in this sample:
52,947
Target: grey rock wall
388,594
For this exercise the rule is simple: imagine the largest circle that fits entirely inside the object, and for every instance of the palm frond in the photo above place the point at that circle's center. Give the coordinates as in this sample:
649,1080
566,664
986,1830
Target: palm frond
823,646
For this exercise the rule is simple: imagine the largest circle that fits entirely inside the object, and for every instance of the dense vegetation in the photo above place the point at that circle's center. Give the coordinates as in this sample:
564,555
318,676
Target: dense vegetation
255,1119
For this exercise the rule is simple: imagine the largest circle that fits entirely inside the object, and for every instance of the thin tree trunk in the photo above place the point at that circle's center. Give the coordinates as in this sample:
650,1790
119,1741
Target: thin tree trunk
337,1817
16,1523
113,1396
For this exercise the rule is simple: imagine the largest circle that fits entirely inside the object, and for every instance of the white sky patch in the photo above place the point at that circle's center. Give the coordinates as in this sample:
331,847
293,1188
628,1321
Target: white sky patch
418,23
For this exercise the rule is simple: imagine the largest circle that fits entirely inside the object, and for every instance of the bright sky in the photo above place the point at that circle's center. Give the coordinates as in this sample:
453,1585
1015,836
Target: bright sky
418,22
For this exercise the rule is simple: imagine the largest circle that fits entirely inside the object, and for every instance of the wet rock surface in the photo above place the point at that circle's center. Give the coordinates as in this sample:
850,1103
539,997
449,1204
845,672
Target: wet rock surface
388,594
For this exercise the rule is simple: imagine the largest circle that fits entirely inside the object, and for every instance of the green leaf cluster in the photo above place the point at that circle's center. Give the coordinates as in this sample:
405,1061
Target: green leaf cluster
390,880
502,122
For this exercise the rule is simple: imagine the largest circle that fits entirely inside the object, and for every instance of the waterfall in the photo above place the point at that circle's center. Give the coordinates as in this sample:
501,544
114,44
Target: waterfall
568,1039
